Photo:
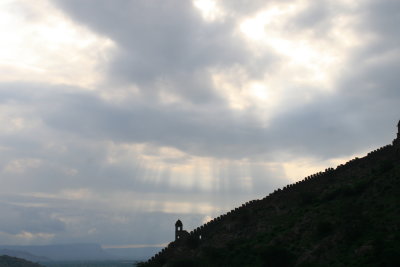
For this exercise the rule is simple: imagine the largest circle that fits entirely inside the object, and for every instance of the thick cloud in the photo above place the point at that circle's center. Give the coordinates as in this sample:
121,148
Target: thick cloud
194,131
185,135
165,42
171,42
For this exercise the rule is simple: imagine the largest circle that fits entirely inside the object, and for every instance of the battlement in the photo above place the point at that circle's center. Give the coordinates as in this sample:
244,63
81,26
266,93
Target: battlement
206,231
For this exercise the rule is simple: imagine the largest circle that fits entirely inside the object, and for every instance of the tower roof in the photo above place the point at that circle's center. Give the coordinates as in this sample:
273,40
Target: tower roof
178,223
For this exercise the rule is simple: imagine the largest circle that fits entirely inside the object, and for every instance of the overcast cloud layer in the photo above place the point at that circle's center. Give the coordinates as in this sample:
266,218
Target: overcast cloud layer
119,117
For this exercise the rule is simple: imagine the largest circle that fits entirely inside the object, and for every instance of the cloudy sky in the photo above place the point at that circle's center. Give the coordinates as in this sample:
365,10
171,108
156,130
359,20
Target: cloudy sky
119,117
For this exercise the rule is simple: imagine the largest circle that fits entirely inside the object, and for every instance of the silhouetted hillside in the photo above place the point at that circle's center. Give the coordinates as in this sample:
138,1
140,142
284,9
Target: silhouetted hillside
62,252
23,255
7,261
348,216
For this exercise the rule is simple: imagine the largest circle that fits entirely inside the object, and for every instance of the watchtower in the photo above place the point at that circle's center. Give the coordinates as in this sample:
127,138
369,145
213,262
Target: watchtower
178,229
398,131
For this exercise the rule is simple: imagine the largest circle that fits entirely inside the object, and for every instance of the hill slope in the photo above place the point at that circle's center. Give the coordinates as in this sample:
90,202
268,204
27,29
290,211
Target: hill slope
62,252
23,255
348,216
7,261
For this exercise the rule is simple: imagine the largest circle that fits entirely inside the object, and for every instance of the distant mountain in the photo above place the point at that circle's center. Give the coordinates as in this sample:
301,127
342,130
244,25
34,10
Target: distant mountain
347,216
7,261
65,252
23,255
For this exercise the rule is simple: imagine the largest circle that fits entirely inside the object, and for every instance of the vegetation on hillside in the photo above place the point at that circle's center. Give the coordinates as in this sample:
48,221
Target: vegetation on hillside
347,217
7,261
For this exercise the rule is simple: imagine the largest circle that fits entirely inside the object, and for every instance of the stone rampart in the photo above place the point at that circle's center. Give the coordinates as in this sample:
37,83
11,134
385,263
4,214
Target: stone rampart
202,231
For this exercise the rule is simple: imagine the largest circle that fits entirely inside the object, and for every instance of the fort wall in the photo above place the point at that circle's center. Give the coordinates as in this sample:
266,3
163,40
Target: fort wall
205,230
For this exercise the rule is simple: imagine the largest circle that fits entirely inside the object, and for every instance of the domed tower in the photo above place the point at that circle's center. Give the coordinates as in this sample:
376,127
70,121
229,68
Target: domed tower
178,229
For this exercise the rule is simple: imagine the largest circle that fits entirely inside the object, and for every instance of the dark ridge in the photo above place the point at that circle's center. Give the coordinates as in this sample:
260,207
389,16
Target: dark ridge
7,261
344,216
23,255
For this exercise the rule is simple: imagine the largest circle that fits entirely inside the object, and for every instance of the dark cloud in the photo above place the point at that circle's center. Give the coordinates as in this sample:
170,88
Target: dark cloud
171,41
165,41
63,145
304,130
69,148
381,18
243,7
316,17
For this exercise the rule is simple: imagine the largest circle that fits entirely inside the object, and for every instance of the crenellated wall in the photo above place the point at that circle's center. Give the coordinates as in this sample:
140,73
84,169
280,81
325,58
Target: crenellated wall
204,231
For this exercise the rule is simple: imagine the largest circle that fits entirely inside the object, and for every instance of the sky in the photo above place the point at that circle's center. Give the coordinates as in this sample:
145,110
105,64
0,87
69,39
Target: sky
119,117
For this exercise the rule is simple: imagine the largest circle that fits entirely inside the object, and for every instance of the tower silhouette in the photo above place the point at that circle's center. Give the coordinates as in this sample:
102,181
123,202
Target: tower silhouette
178,229
398,131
